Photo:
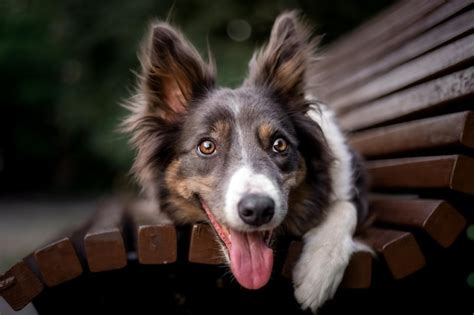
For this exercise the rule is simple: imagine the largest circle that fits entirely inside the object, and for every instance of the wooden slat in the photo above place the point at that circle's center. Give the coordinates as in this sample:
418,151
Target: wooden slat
204,247
155,238
435,37
417,99
366,56
358,274
103,241
157,244
20,286
399,250
448,172
409,73
364,31
58,262
436,217
381,28
438,132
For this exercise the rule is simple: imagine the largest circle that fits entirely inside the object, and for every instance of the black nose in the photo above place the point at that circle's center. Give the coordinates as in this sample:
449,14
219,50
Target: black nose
255,209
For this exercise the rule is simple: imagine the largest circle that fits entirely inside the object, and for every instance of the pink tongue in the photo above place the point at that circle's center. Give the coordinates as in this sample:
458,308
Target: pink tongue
251,260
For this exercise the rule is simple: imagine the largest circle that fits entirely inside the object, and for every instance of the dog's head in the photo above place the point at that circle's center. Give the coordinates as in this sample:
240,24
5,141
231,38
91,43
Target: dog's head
233,157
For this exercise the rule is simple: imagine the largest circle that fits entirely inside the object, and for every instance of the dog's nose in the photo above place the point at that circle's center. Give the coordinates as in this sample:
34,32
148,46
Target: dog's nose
256,209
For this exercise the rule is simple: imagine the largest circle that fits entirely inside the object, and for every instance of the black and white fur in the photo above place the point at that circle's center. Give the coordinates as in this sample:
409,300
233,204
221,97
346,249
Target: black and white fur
316,185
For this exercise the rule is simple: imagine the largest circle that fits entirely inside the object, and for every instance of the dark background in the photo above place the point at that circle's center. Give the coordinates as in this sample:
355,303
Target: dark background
66,65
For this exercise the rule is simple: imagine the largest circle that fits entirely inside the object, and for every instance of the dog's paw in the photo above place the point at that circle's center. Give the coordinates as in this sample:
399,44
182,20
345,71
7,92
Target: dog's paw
319,272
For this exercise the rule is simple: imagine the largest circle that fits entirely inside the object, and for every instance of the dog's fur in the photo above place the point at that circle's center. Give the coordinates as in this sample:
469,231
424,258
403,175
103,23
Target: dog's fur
316,185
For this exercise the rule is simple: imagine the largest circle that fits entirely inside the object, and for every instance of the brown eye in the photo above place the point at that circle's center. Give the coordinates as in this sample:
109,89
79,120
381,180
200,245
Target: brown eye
280,145
206,147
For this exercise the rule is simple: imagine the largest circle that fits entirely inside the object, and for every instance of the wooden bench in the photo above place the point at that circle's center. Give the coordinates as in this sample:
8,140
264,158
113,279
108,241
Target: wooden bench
402,85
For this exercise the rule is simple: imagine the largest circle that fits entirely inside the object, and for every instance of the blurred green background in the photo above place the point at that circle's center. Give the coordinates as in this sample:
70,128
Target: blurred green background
66,65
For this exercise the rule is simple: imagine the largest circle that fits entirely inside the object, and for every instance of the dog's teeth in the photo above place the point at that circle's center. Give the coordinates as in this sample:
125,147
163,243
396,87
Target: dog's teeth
267,237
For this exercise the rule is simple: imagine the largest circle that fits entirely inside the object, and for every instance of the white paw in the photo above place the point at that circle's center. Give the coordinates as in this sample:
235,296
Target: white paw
319,272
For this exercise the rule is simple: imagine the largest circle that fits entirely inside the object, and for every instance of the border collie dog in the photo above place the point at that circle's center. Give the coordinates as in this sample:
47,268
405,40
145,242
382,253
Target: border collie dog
257,161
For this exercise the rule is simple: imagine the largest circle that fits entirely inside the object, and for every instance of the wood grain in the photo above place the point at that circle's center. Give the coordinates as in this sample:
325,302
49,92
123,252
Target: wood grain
103,242
23,286
423,97
335,68
452,130
204,247
436,217
358,274
437,61
390,23
448,172
156,244
154,236
440,35
58,262
399,250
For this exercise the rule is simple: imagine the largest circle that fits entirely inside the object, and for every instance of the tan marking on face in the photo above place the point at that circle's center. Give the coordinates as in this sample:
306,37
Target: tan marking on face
220,129
296,177
301,172
187,212
298,209
265,132
182,191
187,186
299,192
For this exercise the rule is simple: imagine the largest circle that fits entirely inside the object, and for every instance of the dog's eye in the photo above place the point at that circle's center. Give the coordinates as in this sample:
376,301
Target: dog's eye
206,147
280,145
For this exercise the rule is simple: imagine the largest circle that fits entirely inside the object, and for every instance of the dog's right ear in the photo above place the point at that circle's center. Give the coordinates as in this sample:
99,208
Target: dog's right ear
285,64
173,72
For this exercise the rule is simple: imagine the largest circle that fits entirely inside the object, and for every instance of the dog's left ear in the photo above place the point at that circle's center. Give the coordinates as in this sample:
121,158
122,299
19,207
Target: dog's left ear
173,72
284,64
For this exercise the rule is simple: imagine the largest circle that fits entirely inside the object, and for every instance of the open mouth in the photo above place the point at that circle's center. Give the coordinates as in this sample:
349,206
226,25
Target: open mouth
251,258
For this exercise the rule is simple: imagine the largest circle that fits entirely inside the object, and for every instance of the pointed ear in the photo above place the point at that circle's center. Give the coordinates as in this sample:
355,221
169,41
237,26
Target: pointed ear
173,72
285,62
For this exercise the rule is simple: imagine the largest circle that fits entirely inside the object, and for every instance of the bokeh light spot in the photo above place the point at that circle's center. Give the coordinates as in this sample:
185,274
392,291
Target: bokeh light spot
470,232
239,30
470,280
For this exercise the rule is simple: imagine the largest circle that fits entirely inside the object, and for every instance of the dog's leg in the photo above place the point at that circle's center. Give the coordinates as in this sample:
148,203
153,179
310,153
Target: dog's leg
326,252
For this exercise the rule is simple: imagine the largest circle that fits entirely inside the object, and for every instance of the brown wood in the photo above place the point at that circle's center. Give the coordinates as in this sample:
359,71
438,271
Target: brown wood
204,248
436,217
440,35
364,31
58,262
442,59
438,132
379,29
103,242
157,244
399,250
362,58
358,274
105,250
6,282
416,99
154,236
462,176
20,286
449,172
